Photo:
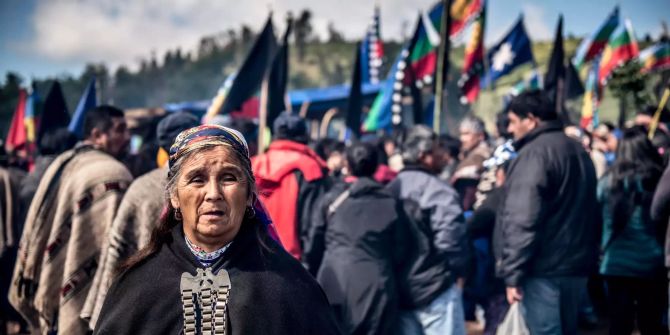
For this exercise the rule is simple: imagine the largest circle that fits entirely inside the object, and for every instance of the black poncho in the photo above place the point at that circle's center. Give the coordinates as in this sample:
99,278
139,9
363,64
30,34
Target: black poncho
270,292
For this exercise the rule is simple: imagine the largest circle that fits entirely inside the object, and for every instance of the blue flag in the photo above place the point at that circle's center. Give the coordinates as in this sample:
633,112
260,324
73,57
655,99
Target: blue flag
86,102
512,51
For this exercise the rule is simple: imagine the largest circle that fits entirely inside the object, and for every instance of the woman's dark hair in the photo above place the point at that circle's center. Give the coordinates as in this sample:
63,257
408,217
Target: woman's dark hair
161,234
634,175
362,159
535,102
325,147
451,144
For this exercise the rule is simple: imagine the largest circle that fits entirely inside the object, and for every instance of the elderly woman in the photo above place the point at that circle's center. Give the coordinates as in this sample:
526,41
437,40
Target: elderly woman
211,267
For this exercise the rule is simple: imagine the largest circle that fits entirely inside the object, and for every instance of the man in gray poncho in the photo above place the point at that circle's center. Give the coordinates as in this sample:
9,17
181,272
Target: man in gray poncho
68,218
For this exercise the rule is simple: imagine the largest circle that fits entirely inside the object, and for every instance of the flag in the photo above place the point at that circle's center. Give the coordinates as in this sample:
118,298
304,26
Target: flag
220,97
55,113
591,97
383,111
86,102
556,68
29,117
621,48
16,137
513,50
473,63
533,81
423,55
355,101
656,57
278,78
251,73
372,50
462,13
593,45
573,85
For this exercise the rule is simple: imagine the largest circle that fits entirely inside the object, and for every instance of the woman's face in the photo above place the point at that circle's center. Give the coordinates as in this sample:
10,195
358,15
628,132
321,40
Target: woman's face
212,195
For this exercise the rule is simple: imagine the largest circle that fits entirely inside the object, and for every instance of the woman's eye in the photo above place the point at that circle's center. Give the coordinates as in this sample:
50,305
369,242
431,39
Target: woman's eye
228,177
196,180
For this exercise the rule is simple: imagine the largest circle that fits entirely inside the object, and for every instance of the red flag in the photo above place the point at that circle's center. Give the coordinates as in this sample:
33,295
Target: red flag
473,63
17,131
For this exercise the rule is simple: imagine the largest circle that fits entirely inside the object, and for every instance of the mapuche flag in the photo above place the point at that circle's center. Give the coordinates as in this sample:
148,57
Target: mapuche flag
473,64
250,75
55,113
655,57
513,50
591,97
372,51
278,78
423,54
593,45
621,48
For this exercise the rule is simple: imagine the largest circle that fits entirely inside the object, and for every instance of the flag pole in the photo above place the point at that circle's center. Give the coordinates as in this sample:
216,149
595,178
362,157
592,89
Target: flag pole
263,116
657,116
441,69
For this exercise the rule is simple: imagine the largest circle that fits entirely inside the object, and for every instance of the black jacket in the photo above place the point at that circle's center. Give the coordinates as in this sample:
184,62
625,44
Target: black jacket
270,291
441,252
548,224
365,244
660,208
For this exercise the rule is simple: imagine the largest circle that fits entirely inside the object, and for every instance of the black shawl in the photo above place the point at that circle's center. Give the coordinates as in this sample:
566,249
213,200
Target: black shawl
270,293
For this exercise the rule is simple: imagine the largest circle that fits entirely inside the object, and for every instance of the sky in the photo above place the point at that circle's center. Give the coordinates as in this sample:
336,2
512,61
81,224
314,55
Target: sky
40,38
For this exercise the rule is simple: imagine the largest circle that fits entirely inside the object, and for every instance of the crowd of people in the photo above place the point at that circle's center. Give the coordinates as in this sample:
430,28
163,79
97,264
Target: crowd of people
409,233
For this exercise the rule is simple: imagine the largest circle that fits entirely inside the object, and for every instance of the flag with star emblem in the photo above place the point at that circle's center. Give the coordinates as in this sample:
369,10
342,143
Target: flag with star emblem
512,51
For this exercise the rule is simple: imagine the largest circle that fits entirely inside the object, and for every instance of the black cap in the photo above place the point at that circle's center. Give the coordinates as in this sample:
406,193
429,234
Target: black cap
173,124
290,126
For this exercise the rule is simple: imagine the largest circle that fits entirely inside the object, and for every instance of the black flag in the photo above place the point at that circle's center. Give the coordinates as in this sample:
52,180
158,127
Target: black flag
355,102
278,78
55,113
573,85
556,69
249,77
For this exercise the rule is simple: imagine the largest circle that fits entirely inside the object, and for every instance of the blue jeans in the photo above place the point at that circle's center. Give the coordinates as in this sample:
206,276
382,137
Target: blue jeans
443,316
551,305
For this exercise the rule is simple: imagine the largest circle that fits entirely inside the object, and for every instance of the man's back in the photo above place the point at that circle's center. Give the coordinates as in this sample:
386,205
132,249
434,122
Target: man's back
548,225
70,213
290,178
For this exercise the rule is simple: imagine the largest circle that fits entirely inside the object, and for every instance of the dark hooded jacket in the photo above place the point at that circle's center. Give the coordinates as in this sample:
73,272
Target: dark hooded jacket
548,224
270,292
365,244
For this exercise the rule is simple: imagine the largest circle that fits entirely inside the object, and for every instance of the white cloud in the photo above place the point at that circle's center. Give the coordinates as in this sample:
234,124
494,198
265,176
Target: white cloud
120,31
537,24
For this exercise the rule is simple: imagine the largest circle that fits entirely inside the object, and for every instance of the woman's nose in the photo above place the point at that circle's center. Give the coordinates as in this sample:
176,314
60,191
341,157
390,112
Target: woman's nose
214,191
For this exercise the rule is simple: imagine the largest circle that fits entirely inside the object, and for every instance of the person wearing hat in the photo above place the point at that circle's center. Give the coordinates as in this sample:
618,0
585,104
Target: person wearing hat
211,266
137,215
490,290
290,178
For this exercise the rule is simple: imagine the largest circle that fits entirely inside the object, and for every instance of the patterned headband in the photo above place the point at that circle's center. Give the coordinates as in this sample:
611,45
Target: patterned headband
209,134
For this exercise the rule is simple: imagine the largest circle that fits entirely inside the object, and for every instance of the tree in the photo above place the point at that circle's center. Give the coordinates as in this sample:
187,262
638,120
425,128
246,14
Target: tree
334,36
628,84
303,31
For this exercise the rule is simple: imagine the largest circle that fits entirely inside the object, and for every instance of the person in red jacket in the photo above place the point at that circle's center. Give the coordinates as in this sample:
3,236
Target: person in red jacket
290,178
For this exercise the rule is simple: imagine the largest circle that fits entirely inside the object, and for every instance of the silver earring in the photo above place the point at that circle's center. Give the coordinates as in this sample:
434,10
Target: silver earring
177,214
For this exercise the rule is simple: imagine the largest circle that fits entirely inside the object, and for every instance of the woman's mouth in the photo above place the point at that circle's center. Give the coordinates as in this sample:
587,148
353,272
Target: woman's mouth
212,215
